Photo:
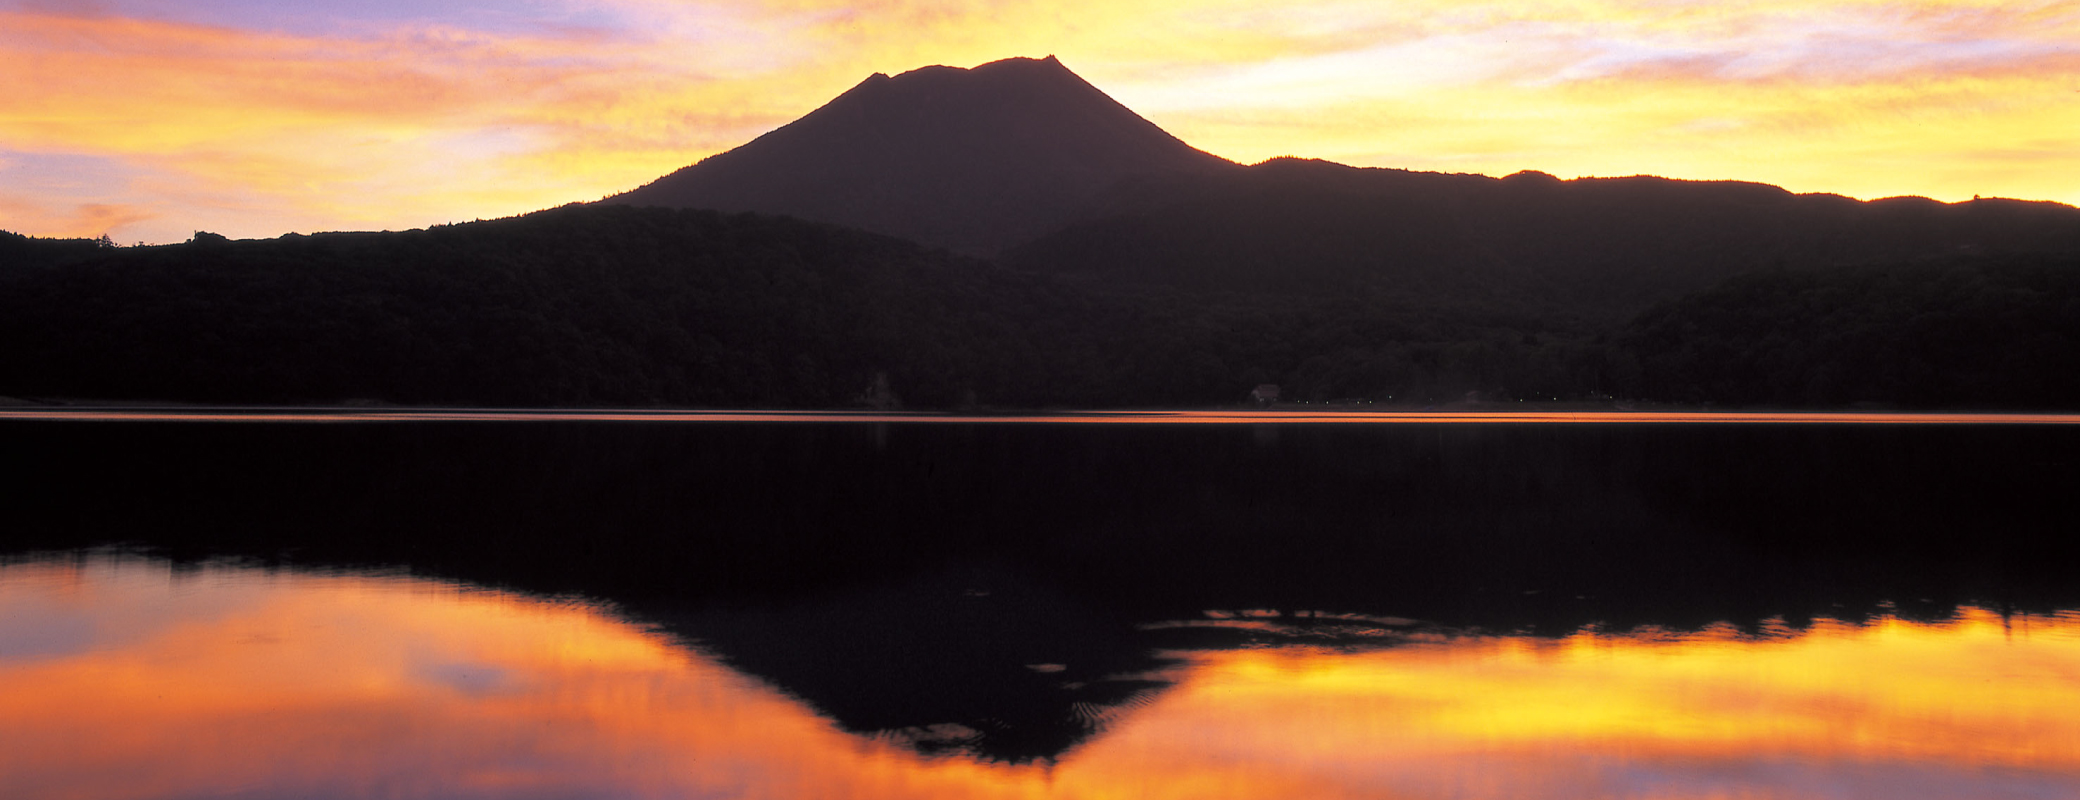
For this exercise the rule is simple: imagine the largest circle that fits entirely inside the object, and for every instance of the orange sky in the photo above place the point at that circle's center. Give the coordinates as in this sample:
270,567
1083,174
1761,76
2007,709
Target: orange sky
150,119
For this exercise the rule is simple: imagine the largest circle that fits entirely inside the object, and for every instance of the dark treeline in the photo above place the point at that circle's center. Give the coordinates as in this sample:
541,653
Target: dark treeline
18,252
1939,333
646,306
575,305
1593,251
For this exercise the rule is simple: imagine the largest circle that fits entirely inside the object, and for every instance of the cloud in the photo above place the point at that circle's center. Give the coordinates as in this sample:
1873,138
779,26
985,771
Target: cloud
394,125
80,221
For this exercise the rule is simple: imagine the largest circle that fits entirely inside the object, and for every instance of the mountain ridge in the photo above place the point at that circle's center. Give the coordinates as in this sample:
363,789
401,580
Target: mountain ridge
1023,161
1599,248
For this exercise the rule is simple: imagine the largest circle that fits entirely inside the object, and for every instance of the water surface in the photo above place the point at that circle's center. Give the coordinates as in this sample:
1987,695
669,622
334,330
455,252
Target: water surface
229,603
126,677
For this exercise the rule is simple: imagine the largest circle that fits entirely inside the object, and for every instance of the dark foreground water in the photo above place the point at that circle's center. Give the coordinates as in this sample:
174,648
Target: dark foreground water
639,606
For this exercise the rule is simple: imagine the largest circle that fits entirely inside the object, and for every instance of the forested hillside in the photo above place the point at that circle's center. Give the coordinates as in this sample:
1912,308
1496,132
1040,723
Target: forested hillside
1592,250
1941,333
18,252
575,305
612,305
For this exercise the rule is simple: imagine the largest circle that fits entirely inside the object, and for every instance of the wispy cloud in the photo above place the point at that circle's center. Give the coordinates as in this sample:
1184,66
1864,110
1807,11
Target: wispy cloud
82,221
416,125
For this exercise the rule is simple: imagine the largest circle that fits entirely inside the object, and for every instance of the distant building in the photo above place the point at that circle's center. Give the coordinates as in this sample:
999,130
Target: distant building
1265,394
879,395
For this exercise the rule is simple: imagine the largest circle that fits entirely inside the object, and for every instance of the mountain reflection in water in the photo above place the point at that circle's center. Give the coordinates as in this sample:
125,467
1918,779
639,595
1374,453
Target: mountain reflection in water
127,677
956,608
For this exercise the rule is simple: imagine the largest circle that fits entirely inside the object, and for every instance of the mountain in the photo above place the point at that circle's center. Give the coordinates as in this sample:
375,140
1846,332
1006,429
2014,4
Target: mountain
1024,161
970,159
1595,250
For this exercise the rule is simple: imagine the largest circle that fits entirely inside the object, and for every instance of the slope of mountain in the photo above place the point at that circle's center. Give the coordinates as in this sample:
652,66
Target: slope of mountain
576,305
970,159
1596,249
1932,333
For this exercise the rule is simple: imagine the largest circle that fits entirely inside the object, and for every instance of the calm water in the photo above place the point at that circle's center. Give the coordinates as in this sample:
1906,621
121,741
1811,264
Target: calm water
626,604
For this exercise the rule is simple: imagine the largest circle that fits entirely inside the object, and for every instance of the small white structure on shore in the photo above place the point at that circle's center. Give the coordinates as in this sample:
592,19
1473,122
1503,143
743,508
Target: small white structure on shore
1265,394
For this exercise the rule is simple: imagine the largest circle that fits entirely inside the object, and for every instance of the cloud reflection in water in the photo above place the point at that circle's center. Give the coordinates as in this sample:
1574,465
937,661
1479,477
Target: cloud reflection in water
143,681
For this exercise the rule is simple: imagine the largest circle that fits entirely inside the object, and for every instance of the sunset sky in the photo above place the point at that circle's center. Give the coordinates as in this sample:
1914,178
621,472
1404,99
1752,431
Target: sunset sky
151,119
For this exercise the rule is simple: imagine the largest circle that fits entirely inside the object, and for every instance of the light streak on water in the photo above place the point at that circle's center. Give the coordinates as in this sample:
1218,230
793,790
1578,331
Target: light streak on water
1128,417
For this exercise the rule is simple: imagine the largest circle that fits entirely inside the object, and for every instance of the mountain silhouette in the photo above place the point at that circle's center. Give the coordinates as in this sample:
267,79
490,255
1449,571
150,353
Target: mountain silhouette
974,160
1126,269
1595,249
1023,160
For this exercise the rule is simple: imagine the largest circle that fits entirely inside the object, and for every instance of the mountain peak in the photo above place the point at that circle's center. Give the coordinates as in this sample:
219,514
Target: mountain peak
973,159
1010,77
1016,65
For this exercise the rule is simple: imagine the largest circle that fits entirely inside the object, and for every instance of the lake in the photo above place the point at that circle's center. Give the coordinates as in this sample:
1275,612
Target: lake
458,603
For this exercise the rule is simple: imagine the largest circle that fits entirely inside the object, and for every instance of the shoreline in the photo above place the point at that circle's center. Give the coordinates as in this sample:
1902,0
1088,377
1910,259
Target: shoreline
19,403
1295,414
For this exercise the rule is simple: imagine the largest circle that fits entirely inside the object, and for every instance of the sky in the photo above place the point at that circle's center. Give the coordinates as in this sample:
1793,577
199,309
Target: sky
148,120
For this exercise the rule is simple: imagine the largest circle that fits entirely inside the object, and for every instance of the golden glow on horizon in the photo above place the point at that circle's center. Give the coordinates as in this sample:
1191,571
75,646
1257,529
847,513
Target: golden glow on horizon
121,678
404,122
